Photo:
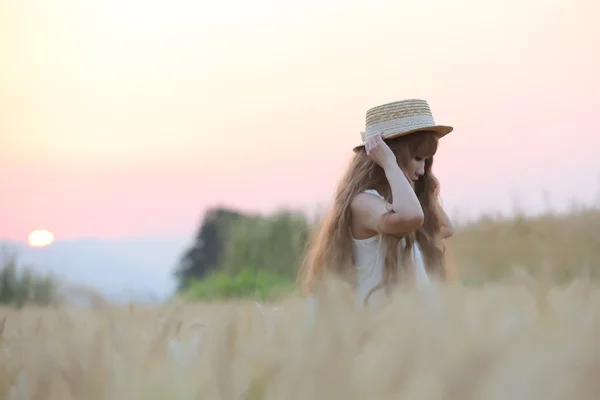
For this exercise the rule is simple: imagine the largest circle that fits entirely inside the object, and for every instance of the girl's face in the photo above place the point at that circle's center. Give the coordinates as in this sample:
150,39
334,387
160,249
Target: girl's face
415,169
414,153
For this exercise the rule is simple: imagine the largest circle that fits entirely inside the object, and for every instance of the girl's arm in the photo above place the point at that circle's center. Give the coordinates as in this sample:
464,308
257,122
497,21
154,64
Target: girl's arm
372,215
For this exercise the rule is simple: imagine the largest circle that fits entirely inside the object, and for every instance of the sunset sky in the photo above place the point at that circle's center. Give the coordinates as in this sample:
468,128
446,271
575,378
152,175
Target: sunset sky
130,118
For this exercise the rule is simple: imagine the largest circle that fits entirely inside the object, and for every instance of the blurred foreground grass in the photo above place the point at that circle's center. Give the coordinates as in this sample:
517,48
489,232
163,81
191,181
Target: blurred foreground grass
520,341
524,338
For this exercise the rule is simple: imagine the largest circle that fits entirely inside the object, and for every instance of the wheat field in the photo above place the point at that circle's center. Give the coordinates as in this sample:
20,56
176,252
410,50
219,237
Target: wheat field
519,340
486,334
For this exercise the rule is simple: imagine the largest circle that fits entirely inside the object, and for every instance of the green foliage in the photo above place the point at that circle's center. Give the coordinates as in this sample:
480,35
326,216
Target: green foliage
205,255
21,286
247,283
240,255
275,244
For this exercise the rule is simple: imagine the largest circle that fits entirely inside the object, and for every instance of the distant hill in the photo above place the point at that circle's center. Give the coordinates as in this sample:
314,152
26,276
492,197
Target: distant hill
120,269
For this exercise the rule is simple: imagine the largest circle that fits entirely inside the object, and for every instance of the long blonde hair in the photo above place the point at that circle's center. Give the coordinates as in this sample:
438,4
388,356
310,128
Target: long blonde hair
330,249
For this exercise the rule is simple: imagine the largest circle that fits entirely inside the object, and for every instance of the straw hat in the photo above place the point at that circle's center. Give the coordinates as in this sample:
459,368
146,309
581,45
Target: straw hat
400,118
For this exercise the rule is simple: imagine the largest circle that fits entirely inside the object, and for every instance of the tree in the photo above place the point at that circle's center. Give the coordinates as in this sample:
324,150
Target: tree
275,244
205,255
21,285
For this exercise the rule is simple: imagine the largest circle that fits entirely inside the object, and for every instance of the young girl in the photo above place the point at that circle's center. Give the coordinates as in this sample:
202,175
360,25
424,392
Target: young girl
386,225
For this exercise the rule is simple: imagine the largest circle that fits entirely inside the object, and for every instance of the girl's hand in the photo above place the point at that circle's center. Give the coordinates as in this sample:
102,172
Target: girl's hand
380,152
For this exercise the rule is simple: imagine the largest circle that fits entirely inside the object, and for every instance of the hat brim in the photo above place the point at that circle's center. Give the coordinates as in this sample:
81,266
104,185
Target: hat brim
440,130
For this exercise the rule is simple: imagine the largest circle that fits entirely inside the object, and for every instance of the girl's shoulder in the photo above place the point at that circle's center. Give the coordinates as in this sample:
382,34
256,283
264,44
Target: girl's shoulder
372,239
373,192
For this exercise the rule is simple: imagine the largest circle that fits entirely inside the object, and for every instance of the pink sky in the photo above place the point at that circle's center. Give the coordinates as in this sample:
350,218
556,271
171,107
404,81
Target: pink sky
130,119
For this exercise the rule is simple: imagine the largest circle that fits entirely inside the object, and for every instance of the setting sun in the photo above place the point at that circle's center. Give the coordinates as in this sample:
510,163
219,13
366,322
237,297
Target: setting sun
40,238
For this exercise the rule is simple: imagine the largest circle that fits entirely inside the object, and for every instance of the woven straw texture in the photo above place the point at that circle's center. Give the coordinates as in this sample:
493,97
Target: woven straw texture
398,109
401,118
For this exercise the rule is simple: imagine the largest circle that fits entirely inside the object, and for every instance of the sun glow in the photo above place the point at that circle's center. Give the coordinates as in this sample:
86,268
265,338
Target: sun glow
40,238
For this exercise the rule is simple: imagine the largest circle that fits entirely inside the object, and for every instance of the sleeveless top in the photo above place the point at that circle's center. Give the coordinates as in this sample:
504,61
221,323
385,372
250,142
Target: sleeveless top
369,255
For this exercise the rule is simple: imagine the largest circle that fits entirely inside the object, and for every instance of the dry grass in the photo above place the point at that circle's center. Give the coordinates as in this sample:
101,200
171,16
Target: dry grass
519,341
568,245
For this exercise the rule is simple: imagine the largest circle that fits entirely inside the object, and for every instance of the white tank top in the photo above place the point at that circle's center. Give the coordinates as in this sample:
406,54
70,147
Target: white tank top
369,255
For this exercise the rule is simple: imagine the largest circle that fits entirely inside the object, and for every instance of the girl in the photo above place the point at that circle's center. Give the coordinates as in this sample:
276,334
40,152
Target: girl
386,225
